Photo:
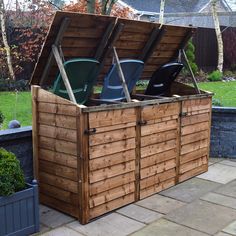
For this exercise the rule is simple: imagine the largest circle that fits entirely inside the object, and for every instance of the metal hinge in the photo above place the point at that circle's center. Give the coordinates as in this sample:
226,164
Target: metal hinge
90,131
182,114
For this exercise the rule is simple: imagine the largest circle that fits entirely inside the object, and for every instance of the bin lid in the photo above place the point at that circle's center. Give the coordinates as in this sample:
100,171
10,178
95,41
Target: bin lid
93,36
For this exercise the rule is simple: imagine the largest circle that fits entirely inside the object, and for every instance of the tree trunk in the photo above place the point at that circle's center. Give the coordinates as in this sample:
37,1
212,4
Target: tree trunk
90,6
218,35
5,42
107,6
161,16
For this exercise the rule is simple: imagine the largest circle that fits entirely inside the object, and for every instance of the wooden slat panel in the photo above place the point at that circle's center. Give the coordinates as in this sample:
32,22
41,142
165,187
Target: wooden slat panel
111,171
59,182
190,129
159,127
48,97
111,194
110,160
113,117
157,188
191,120
57,157
68,122
194,146
111,183
157,158
156,179
191,138
114,127
155,169
163,110
192,173
102,209
57,133
193,164
193,155
158,138
58,145
58,193
110,148
196,104
58,170
61,109
57,204
157,148
112,136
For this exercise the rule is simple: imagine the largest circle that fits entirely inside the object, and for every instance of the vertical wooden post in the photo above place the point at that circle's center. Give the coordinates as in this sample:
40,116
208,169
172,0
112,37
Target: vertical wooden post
34,92
178,143
83,166
122,77
138,152
209,133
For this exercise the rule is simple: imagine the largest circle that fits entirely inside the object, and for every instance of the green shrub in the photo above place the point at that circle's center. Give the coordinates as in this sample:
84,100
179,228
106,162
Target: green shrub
11,175
215,76
2,117
229,73
216,102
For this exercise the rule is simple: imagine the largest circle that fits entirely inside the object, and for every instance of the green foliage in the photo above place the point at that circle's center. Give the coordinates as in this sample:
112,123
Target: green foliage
11,175
215,76
216,102
191,57
2,117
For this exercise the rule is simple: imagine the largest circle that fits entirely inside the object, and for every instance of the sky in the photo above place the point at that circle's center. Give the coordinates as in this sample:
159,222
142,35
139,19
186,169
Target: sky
232,4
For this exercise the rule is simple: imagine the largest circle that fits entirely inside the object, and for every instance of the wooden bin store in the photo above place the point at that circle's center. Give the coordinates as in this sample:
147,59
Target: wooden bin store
92,159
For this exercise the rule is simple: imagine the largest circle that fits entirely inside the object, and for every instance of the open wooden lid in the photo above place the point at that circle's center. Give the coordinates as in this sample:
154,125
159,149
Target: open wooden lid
93,36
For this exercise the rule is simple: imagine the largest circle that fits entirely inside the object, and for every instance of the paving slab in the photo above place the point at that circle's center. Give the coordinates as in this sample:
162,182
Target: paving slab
140,213
231,228
222,234
43,228
190,190
215,159
164,227
62,231
219,173
203,216
113,224
228,189
228,163
220,200
160,203
52,218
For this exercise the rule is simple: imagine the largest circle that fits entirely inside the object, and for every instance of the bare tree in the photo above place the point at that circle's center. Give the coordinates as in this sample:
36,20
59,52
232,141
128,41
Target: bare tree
5,42
218,35
161,16
91,6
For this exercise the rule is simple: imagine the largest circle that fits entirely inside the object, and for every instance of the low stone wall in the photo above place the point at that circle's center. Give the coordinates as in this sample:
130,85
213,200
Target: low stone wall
19,141
223,132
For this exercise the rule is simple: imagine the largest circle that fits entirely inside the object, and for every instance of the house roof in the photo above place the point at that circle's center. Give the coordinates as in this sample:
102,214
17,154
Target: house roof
172,6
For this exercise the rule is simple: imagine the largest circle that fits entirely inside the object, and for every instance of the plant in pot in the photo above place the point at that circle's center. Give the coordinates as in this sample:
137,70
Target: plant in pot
19,210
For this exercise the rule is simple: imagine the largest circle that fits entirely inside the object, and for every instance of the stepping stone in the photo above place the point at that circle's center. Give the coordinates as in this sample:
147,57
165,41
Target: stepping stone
222,234
164,227
228,189
203,216
190,190
113,224
62,231
215,159
220,200
52,218
160,203
219,173
139,213
231,228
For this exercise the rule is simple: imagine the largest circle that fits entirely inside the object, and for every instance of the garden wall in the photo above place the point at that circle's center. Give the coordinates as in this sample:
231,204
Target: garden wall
19,141
223,132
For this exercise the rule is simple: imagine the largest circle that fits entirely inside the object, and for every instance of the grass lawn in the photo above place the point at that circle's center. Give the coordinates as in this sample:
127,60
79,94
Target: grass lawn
21,110
16,107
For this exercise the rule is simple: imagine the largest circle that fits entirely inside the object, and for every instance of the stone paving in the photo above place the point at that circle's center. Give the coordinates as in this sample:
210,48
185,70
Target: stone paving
204,205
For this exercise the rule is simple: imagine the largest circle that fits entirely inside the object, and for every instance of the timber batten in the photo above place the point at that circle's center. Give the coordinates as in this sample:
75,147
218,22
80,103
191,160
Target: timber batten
91,159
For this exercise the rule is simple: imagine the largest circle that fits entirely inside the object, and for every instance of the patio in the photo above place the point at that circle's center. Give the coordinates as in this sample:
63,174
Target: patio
204,205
